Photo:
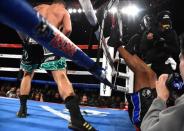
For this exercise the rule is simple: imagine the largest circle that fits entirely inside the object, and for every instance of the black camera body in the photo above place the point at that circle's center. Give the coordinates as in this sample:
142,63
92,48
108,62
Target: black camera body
175,86
175,82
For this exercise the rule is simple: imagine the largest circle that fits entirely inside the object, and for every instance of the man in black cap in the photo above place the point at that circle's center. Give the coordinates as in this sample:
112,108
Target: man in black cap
159,45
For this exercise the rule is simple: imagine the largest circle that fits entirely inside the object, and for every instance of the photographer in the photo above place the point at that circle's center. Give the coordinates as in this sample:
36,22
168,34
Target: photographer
11,93
160,117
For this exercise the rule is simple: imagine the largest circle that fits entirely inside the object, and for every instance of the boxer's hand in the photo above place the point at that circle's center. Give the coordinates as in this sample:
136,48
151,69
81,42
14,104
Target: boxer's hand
115,40
162,91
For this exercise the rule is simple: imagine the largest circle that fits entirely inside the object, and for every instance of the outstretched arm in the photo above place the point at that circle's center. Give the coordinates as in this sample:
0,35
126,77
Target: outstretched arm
133,61
144,75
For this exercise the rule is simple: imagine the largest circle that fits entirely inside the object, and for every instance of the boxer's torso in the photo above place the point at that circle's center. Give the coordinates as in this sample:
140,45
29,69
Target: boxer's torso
53,13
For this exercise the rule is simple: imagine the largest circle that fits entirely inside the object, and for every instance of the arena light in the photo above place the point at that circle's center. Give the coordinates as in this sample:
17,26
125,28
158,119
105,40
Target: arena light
131,10
70,10
74,10
79,11
113,10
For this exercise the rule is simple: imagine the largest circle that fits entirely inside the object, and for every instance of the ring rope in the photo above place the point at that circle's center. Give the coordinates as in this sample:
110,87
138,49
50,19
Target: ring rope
81,46
76,85
12,56
43,82
70,72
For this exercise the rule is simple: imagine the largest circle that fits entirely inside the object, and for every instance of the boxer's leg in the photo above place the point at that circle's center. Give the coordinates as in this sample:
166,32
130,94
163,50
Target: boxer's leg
71,101
24,93
58,70
31,58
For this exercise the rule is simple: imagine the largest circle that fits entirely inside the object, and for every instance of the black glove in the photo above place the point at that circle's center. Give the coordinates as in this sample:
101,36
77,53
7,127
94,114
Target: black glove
115,38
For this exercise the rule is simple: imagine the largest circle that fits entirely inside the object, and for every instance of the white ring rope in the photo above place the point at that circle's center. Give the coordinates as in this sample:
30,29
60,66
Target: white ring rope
12,56
70,72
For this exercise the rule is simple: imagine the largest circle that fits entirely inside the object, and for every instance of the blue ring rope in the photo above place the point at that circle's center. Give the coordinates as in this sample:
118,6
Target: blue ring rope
52,83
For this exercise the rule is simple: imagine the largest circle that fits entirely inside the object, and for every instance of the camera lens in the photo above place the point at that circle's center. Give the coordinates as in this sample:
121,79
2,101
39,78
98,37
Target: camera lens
175,82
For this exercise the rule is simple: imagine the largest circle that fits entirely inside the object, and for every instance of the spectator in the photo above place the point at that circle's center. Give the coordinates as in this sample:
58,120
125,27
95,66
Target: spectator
84,100
91,100
122,105
126,105
118,100
17,93
103,102
159,117
113,105
2,91
159,44
57,98
11,93
37,96
49,94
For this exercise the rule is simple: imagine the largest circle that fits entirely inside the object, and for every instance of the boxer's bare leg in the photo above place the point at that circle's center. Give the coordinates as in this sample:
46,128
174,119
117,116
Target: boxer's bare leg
71,100
25,88
64,85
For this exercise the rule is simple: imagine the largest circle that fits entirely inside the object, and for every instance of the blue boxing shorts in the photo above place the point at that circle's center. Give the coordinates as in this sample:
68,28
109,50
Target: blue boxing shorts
139,103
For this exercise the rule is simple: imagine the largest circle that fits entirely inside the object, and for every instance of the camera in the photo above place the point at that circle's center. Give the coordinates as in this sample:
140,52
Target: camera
175,86
175,82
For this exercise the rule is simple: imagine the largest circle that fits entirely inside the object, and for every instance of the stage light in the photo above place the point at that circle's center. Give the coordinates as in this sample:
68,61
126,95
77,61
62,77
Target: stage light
70,10
113,10
74,11
79,11
131,10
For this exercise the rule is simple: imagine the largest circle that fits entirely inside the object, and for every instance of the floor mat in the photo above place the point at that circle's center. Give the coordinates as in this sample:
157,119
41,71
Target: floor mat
45,116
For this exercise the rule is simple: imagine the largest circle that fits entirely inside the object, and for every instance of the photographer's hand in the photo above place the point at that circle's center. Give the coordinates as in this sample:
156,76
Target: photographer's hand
162,91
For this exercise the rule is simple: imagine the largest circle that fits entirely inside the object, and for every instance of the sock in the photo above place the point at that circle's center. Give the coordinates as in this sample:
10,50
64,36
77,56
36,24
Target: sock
23,100
72,104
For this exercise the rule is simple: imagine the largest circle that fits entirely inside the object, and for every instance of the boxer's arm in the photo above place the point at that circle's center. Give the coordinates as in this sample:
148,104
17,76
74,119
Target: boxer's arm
67,26
133,61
